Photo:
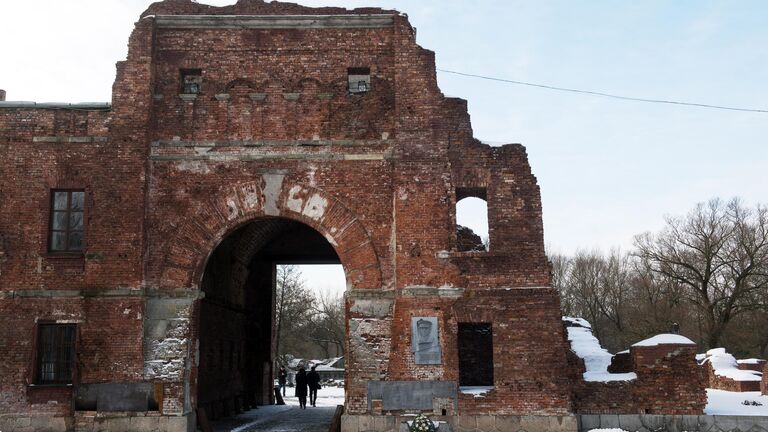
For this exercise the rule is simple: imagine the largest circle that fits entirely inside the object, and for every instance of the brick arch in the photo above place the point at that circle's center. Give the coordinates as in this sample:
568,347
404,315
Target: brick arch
239,82
188,250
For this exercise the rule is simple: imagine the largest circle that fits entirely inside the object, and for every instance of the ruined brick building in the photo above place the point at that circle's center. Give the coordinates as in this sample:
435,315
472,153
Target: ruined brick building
138,239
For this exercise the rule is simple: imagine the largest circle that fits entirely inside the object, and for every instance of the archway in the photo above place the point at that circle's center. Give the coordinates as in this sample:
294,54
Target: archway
236,316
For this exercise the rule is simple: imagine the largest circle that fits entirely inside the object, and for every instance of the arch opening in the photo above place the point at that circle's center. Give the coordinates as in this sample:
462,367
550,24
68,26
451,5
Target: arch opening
237,324
472,230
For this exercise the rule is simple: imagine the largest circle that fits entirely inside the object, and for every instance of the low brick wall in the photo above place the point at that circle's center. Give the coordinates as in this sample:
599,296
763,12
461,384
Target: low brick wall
670,423
464,423
757,366
668,381
90,421
764,382
724,383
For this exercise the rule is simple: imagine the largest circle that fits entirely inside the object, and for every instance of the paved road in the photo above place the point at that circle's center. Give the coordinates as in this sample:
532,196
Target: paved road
284,418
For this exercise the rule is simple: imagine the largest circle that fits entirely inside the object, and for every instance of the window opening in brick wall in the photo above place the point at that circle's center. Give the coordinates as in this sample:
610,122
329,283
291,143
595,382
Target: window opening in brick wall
472,231
359,80
191,81
475,343
55,353
66,225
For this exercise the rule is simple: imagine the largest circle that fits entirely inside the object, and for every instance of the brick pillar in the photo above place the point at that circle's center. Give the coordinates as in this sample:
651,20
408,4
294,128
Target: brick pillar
2,95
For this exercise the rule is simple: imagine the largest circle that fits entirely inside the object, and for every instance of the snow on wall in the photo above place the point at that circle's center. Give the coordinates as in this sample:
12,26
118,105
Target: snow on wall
596,358
725,365
663,339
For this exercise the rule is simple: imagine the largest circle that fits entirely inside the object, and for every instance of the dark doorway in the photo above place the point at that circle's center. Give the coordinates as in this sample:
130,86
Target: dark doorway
475,354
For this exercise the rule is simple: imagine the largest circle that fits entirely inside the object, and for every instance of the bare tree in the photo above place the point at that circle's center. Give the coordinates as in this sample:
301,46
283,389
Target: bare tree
293,309
718,254
614,286
560,281
328,323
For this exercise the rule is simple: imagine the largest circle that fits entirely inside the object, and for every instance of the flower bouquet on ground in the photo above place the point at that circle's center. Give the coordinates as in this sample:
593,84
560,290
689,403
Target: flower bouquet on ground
421,424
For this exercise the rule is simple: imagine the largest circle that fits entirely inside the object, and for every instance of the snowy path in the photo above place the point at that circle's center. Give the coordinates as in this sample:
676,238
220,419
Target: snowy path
288,417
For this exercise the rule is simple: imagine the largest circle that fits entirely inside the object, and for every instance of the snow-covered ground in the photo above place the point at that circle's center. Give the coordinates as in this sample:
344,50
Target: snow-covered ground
721,402
288,417
326,397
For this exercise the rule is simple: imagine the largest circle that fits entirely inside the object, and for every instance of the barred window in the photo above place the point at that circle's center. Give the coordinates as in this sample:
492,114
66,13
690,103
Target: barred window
66,226
359,79
55,353
191,81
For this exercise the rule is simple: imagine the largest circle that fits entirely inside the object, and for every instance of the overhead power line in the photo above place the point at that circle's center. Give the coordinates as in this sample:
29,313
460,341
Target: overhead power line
594,93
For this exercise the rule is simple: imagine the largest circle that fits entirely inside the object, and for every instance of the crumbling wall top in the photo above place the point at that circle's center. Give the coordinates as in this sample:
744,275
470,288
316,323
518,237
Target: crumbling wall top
254,7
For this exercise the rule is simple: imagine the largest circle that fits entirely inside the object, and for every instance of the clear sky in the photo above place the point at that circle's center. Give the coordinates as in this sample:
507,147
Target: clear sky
608,169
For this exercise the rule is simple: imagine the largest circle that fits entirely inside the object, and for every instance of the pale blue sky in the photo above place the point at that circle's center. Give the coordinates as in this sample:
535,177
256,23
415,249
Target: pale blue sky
608,169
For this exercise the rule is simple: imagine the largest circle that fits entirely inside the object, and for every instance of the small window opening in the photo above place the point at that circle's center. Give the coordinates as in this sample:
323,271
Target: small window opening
191,81
66,223
55,354
359,80
472,231
475,343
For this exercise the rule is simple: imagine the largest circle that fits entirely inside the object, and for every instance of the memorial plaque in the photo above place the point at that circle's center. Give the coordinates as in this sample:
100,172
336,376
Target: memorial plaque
411,395
425,342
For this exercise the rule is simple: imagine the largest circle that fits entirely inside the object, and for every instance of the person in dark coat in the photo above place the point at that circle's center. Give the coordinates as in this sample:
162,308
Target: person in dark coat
282,378
313,380
301,387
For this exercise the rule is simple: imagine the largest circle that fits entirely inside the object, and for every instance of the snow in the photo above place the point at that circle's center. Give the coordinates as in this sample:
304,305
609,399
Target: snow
477,391
283,418
607,430
725,365
596,358
665,338
749,361
328,365
326,397
721,402
265,412
578,321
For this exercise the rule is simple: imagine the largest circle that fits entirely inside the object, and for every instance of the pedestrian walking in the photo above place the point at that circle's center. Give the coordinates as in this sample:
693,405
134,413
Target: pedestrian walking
301,387
282,378
313,380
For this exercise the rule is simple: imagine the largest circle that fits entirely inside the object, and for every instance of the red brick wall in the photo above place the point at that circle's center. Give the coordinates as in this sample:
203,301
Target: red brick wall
109,332
724,383
764,382
274,132
668,382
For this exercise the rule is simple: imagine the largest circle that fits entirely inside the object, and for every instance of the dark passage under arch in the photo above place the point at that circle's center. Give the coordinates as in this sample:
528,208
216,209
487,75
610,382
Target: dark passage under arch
235,324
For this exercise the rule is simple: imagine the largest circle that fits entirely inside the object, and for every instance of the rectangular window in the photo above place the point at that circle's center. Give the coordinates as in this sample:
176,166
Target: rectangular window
359,80
66,225
55,353
191,81
475,354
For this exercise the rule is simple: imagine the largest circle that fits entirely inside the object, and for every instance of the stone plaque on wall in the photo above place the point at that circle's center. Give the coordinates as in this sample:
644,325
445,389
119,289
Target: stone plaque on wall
425,342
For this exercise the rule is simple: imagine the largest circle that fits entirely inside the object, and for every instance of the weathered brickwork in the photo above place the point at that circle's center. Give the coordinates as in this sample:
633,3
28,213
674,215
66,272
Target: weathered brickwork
720,382
668,382
192,195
